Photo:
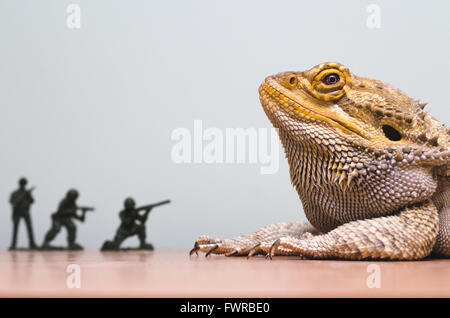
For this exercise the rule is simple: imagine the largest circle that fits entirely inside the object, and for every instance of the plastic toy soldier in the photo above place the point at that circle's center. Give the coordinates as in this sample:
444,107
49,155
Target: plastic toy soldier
67,211
132,223
21,200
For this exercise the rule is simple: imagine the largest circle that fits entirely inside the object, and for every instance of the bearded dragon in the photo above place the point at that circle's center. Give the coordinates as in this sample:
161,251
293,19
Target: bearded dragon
370,165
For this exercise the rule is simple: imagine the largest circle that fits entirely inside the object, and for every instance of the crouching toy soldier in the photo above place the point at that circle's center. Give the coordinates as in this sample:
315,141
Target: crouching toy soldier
132,223
67,211
21,201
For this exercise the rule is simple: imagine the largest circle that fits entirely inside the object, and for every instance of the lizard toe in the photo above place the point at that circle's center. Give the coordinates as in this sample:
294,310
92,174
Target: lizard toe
273,248
195,249
212,249
256,250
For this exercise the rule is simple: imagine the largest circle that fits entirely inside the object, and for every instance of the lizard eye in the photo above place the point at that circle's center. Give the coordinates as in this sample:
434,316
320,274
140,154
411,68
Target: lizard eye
331,79
329,84
391,133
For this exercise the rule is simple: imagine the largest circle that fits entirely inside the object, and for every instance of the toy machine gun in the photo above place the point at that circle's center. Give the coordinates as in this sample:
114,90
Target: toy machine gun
26,194
149,207
84,210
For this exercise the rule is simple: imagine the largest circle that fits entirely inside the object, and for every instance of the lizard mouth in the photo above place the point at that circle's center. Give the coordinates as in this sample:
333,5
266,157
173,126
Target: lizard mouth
274,97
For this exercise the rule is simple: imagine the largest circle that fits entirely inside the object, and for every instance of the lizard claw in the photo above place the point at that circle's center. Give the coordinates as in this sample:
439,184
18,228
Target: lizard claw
254,251
232,253
212,249
194,250
273,248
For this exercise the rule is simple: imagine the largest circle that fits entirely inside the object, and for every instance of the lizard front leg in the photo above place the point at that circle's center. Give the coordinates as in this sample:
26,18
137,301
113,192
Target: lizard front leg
258,242
442,201
442,246
409,235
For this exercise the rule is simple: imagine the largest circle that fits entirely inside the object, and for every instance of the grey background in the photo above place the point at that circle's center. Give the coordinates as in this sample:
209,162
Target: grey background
94,108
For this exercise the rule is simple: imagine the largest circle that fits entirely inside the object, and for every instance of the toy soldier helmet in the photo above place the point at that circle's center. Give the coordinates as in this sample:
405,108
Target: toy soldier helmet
129,203
23,181
72,193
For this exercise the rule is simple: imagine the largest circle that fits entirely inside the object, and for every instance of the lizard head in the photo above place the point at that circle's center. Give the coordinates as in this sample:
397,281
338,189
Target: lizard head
360,125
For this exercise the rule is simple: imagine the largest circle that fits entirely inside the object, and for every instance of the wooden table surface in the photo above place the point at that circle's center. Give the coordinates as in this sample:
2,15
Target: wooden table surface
172,273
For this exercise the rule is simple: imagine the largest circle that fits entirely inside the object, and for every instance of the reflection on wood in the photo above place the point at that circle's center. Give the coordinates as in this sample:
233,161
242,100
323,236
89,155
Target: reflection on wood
169,273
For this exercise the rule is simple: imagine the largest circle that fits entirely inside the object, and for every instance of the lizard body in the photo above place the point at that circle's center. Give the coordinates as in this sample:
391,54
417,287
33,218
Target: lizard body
370,166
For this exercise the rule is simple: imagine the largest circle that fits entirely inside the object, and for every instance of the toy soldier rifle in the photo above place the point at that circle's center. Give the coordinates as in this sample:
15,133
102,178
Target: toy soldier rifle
26,193
149,207
85,209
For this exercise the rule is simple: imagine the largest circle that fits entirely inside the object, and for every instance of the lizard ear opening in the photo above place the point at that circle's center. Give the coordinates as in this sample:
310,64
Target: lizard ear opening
391,133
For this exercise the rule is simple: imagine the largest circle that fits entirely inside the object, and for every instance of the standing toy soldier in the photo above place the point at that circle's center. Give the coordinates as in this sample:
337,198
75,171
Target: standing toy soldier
67,210
132,223
21,200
